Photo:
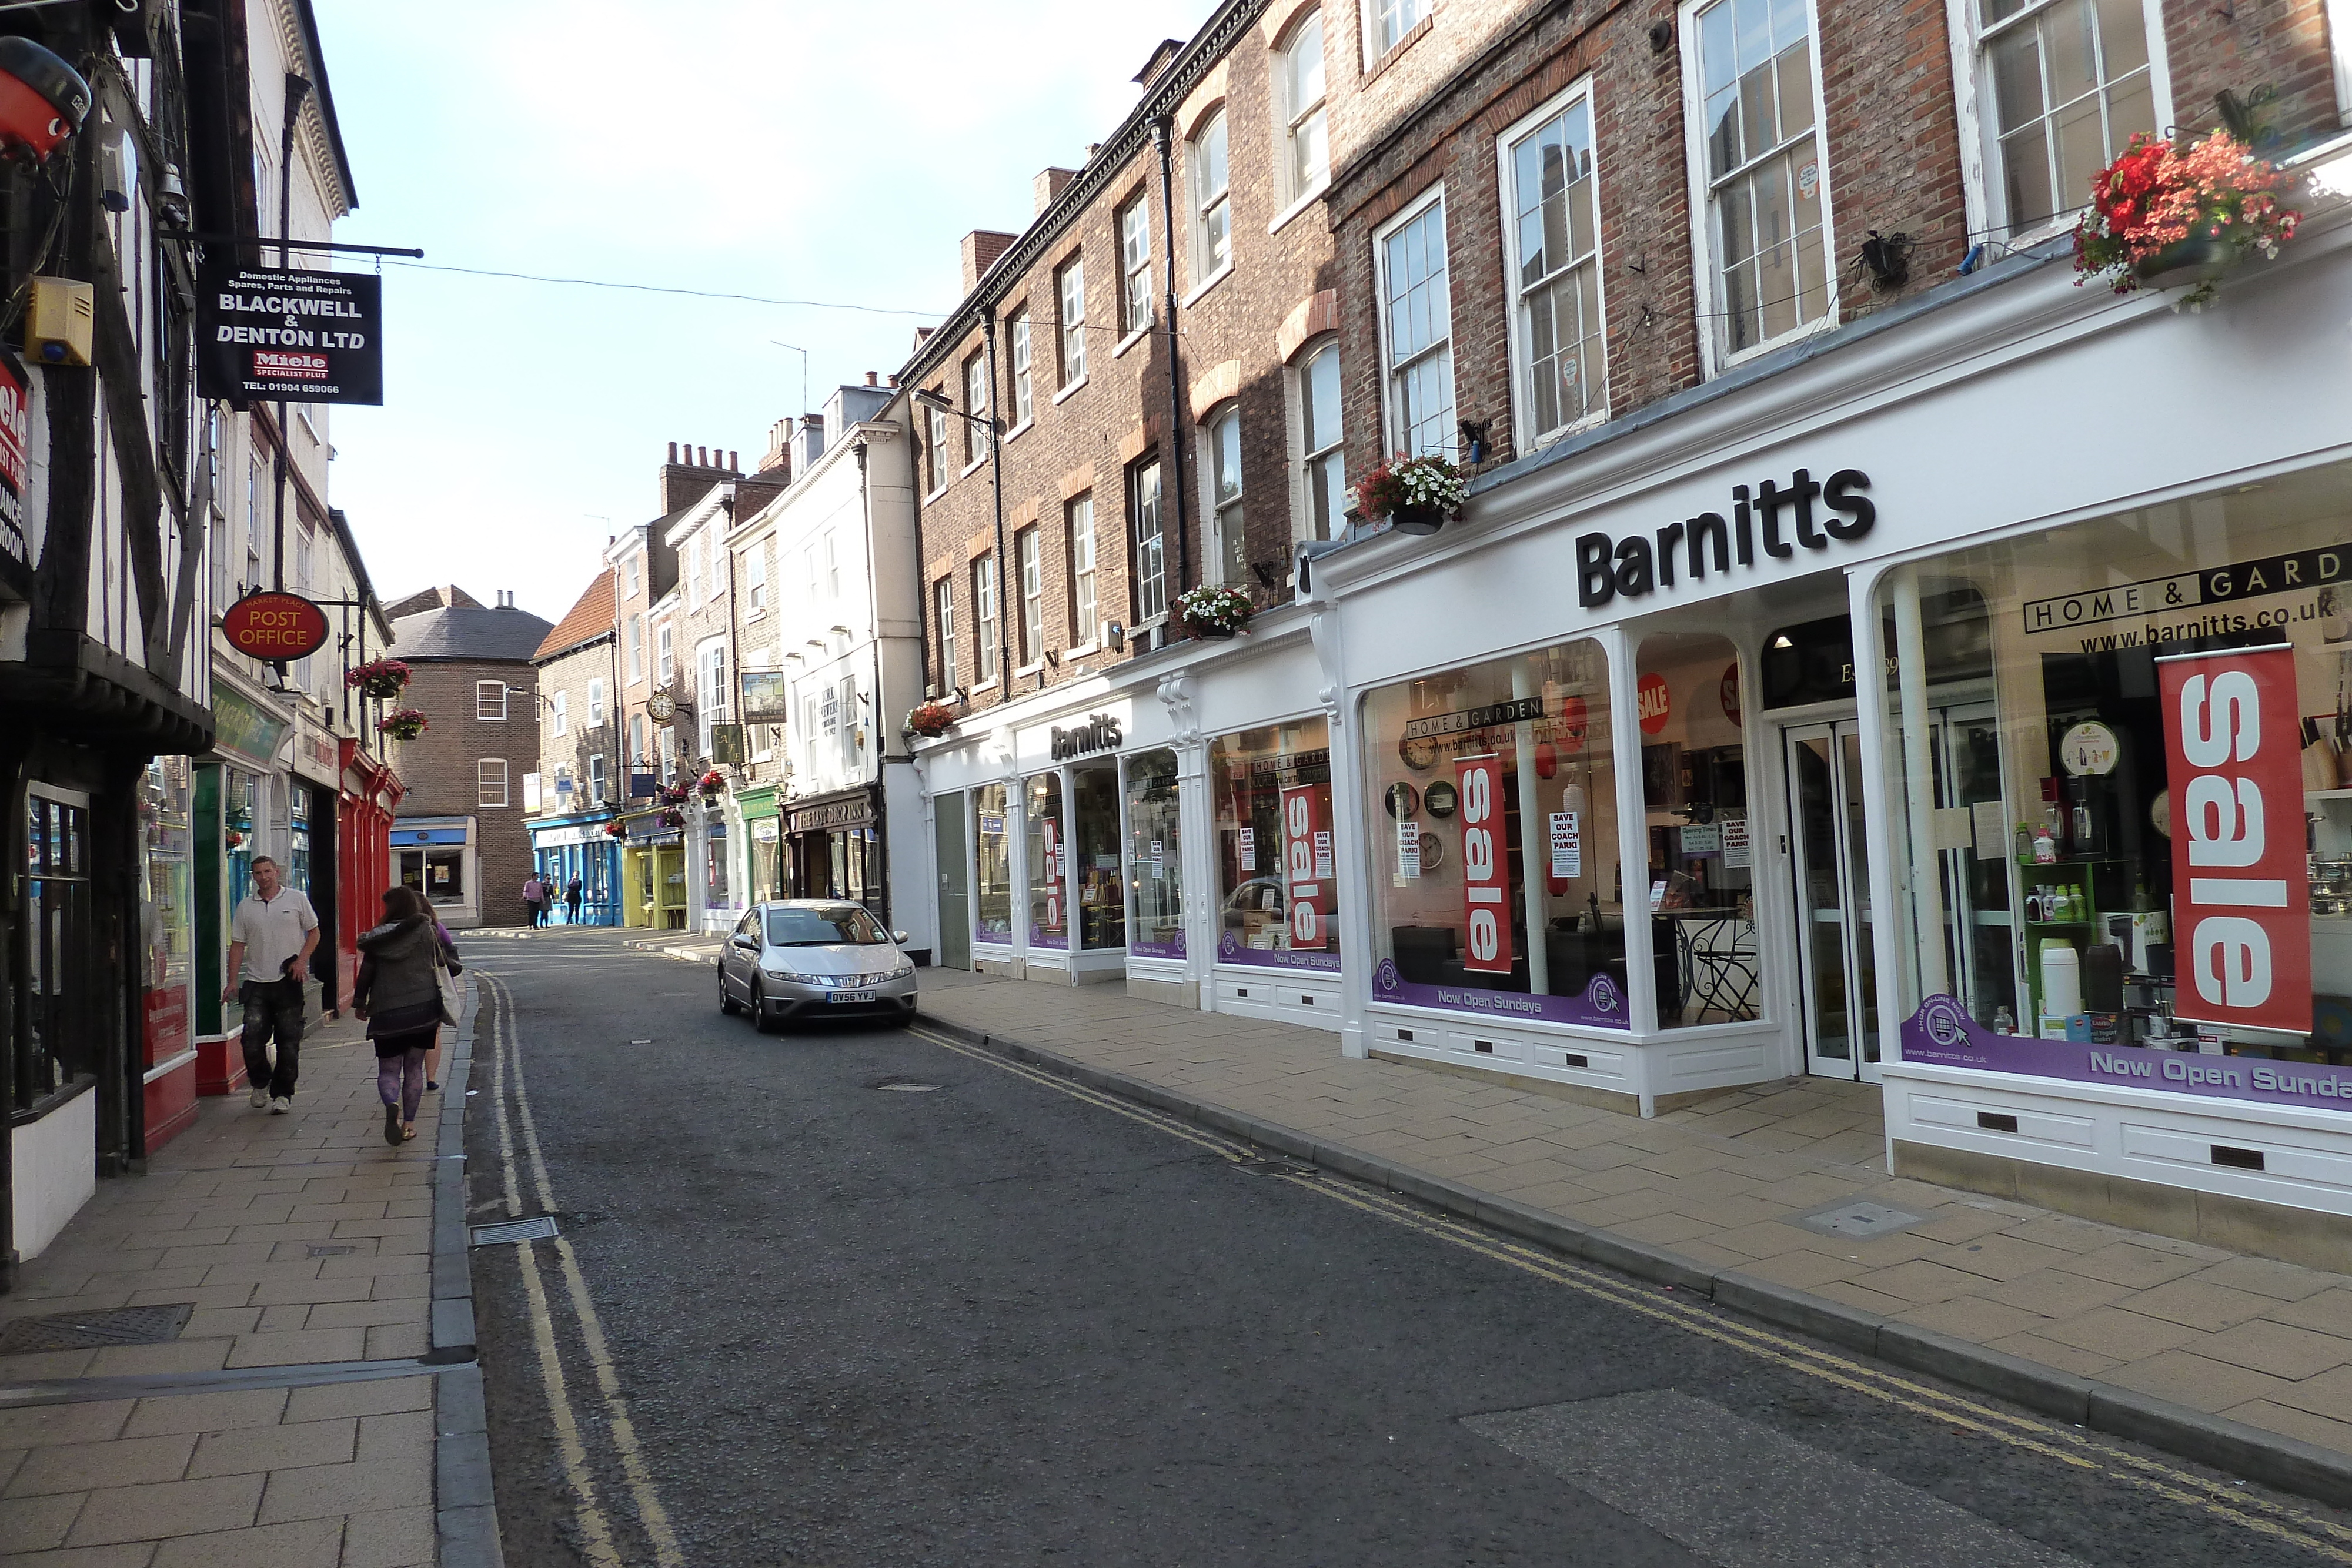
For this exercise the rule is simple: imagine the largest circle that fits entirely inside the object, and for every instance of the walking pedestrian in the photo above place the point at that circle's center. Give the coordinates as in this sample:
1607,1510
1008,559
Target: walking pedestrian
398,992
535,901
432,1054
572,895
271,937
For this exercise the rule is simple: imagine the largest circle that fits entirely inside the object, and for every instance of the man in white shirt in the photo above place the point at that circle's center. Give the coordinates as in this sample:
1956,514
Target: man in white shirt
271,937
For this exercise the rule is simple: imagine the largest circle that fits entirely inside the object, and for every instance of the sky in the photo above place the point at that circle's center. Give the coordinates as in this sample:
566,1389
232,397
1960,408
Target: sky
773,148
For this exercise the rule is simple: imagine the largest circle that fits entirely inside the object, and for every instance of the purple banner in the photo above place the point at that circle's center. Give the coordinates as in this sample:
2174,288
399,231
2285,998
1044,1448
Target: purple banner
1057,940
1941,1034
993,931
1174,948
1601,1006
1230,951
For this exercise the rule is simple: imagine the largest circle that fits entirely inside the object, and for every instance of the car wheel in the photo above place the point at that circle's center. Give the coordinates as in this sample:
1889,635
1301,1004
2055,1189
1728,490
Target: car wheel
759,1020
726,1002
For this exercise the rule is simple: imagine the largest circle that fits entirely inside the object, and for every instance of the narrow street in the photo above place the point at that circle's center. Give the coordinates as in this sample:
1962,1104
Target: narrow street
873,1297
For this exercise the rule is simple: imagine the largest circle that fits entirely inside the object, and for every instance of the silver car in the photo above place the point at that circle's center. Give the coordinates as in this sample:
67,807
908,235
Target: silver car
813,957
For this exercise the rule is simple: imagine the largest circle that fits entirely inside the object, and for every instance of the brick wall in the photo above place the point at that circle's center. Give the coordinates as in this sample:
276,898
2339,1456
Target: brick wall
568,675
440,770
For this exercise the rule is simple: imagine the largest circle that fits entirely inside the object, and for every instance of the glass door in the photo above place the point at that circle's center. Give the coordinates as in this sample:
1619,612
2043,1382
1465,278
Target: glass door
1829,845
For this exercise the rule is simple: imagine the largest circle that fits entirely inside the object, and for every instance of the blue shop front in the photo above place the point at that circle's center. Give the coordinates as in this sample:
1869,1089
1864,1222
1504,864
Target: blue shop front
579,848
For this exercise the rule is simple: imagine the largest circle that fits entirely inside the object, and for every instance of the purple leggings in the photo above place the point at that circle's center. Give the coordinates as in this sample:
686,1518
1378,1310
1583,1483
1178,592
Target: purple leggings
400,1081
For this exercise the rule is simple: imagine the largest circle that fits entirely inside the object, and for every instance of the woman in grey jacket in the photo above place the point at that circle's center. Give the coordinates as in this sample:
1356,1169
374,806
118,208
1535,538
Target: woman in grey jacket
400,997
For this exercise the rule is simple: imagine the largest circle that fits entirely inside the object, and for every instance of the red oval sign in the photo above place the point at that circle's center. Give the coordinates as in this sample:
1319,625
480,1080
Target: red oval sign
275,626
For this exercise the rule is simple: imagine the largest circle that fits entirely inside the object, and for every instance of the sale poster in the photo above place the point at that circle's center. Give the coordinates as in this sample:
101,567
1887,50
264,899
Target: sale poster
1486,879
1305,817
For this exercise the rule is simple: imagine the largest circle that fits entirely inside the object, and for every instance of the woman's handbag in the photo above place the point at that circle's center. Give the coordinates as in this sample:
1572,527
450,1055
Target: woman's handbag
446,983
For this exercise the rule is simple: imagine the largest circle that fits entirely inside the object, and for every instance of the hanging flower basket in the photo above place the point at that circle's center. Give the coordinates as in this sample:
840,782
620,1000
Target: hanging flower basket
383,679
1416,494
1212,613
2165,217
930,719
675,794
712,784
402,723
616,829
673,817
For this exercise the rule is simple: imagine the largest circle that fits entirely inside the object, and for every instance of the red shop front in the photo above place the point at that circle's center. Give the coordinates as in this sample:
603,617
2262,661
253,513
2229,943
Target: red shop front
371,793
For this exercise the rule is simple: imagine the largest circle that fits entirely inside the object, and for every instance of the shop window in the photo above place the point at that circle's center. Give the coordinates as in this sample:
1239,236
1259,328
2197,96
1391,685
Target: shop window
1417,326
1093,831
1213,216
1155,867
1555,259
1135,266
1048,851
490,701
2064,86
1277,895
1761,181
1493,802
2137,835
991,882
1071,291
1308,161
1701,872
438,873
1024,397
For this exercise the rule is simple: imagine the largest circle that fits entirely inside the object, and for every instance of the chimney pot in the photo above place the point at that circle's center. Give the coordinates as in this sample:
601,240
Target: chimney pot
870,378
732,466
673,451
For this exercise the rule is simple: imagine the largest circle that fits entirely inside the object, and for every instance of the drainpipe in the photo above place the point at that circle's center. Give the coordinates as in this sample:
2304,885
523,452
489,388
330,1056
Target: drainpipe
1163,133
996,483
882,758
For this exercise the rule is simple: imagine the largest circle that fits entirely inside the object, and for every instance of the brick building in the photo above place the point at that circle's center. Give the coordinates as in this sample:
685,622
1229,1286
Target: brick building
1754,328
459,836
575,789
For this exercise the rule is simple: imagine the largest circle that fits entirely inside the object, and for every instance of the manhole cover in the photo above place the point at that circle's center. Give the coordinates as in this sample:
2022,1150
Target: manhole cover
95,1330
909,1088
1859,1220
317,1250
538,1229
1269,1164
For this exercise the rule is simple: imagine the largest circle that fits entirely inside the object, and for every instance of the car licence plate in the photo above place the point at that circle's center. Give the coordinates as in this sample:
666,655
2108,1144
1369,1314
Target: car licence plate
849,996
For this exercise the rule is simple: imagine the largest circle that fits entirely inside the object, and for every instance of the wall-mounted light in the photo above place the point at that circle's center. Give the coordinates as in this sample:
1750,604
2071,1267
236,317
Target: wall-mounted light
1473,439
1888,257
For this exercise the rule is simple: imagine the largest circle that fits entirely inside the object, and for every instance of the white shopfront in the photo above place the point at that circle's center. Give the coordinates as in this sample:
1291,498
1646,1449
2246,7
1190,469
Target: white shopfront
1622,817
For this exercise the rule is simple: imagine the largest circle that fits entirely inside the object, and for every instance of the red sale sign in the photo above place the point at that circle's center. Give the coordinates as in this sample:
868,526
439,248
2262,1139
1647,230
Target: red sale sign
1306,863
1486,881
2241,890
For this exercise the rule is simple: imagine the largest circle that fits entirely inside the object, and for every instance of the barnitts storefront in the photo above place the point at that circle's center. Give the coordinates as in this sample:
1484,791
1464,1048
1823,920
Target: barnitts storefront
1937,710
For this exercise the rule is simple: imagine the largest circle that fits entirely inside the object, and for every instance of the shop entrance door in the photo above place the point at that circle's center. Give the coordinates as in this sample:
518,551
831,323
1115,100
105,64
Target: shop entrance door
1828,847
955,882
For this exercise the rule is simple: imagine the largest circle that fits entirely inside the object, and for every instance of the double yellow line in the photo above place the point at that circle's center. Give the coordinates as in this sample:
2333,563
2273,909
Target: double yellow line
2066,1446
595,1525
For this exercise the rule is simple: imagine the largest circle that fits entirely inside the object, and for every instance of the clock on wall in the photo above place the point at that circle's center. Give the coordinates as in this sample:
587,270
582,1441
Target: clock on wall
662,707
1419,754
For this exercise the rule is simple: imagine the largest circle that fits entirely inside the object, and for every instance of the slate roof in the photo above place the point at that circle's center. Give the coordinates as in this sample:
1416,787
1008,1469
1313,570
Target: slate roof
468,632
586,621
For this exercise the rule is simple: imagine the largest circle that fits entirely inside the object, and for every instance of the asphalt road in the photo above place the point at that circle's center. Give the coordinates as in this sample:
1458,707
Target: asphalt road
859,1297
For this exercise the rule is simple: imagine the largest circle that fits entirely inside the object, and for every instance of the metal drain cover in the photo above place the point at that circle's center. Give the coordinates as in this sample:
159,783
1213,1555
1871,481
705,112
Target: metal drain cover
540,1228
1858,1221
95,1330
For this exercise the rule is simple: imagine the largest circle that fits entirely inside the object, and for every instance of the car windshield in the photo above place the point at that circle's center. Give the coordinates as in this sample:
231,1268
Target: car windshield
823,926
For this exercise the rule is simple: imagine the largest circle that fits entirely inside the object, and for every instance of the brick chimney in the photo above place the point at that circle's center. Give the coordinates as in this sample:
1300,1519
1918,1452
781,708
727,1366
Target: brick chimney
778,461
686,481
981,249
1049,185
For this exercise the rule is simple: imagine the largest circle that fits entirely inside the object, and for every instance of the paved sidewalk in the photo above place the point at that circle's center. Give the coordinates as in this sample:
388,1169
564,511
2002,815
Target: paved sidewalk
290,1420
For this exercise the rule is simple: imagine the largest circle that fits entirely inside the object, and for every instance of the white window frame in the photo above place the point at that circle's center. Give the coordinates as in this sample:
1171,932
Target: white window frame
985,608
635,761
1305,525
977,393
832,565
943,611
559,709
1016,339
597,703
755,578
1982,174
1070,318
1204,199
490,781
665,655
935,443
1393,433
490,701
1707,291
1225,513
1296,116
636,647
1029,562
709,691
598,781
1086,586
1378,46
1527,438
1135,305
632,565
1146,616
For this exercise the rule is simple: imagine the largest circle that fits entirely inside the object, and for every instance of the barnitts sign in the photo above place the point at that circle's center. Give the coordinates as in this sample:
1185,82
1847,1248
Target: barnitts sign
264,334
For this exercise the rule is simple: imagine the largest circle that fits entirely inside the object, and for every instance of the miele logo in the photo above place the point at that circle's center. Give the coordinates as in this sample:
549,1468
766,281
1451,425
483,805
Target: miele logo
1099,732
1633,566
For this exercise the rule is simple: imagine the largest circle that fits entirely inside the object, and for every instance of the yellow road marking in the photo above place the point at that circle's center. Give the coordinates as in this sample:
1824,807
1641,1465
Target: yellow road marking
2017,1431
655,1517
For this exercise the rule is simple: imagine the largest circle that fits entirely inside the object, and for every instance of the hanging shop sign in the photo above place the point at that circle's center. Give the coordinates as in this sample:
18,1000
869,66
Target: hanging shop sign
275,627
1803,513
266,334
1099,733
727,747
2241,895
12,428
1486,884
1306,863
767,696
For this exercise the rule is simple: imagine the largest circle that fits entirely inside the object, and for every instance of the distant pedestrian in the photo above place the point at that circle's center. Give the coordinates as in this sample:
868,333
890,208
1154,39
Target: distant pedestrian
271,937
398,992
572,895
535,901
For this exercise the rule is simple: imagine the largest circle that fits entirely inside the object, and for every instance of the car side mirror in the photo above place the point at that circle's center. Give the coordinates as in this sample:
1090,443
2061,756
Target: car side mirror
899,937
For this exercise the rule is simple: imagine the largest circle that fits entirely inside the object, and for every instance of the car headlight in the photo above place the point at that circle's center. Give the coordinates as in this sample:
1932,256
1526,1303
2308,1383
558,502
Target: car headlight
796,978
905,967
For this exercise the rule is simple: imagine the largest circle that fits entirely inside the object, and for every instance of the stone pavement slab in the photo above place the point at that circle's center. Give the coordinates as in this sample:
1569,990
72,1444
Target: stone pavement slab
1720,1184
297,1240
